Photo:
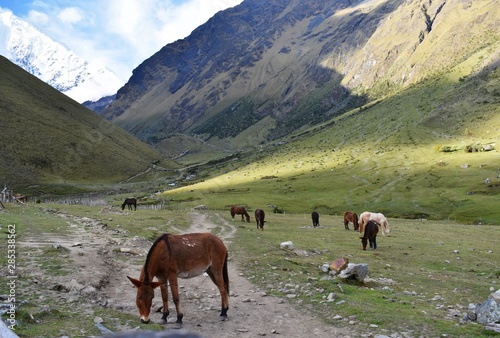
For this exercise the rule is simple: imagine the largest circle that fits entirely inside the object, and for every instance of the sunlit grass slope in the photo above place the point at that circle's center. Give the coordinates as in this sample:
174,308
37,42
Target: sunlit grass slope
403,155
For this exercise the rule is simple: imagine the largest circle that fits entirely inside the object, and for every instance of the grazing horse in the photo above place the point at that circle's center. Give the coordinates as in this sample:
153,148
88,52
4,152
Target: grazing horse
315,219
370,235
183,256
259,217
130,201
379,218
236,210
351,217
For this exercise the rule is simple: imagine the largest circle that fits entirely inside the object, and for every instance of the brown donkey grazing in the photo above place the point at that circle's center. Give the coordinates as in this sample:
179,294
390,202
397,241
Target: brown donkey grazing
130,202
370,235
183,256
235,210
351,217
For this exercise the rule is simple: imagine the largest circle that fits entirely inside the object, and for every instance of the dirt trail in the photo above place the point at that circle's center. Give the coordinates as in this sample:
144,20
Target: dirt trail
100,278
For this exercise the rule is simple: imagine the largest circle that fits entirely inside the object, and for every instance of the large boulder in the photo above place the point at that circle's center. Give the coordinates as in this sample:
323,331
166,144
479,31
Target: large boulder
355,271
489,311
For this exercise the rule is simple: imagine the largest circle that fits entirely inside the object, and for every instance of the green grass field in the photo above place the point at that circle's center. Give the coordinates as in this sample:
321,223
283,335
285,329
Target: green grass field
437,268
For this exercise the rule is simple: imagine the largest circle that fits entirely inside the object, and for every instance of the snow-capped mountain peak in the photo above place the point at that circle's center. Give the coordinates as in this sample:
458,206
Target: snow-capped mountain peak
51,62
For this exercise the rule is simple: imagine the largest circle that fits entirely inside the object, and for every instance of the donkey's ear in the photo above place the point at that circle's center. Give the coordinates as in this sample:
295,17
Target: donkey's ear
136,282
155,284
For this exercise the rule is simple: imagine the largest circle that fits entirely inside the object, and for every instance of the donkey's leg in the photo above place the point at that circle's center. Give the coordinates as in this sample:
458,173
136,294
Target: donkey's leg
174,287
164,297
221,285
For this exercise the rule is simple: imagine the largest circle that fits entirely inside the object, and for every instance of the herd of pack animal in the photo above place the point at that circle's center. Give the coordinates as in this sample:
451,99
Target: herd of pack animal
367,223
190,255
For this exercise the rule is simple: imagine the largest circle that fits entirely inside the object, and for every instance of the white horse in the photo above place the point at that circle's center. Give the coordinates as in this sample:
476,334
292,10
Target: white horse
379,218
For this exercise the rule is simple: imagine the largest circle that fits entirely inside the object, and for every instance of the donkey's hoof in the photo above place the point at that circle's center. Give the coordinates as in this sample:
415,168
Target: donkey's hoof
222,318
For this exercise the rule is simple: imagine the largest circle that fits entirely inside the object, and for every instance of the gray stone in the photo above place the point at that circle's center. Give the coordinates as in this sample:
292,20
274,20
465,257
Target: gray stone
287,245
489,311
355,271
5,332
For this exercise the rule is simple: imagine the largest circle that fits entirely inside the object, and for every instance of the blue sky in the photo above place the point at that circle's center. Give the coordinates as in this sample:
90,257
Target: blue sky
118,34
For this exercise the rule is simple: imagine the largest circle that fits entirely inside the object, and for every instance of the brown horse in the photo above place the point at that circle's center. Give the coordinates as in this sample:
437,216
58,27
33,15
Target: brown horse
183,256
351,217
370,235
315,219
259,217
238,210
130,201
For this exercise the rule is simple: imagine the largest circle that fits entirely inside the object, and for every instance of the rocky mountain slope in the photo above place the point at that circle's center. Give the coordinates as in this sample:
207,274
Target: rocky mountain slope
262,70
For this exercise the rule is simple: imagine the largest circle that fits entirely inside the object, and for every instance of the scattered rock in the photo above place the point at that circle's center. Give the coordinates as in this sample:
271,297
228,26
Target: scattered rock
340,264
5,332
129,251
325,267
287,245
103,329
493,327
340,287
303,253
489,311
355,271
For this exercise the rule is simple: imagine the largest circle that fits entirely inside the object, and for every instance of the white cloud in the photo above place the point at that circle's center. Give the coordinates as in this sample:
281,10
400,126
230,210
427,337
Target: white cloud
38,18
70,15
120,34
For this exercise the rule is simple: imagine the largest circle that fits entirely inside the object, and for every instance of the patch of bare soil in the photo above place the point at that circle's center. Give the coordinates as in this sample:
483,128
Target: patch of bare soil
102,258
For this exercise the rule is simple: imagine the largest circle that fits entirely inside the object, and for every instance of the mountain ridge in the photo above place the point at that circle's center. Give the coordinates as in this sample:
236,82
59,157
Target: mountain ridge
296,64
48,60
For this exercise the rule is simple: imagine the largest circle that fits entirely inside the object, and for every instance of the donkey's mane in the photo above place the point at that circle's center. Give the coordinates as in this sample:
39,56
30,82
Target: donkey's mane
163,237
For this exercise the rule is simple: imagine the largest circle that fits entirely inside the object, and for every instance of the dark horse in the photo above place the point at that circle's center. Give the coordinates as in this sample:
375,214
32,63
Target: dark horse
371,231
315,219
259,217
130,201
351,217
183,256
235,210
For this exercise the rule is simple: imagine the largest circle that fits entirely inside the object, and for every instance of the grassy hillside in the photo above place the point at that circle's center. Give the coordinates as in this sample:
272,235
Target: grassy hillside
404,155
298,64
47,138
